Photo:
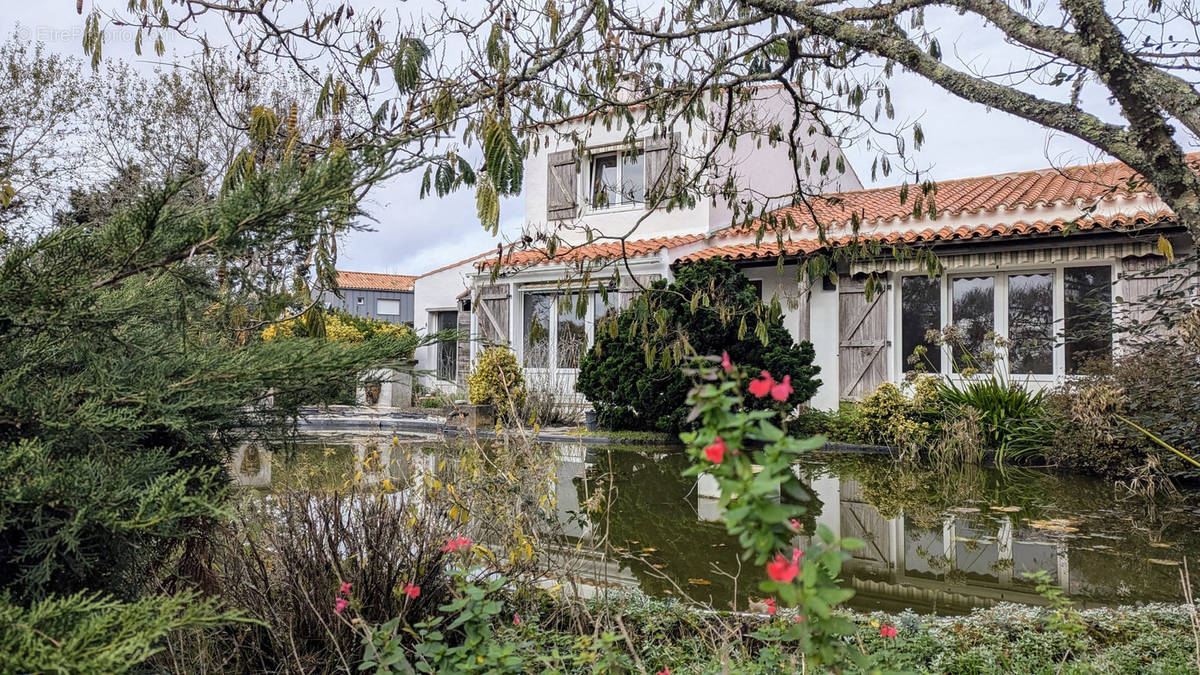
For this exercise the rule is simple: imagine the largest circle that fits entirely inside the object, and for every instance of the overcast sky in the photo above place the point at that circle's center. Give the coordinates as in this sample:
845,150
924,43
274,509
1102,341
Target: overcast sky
413,235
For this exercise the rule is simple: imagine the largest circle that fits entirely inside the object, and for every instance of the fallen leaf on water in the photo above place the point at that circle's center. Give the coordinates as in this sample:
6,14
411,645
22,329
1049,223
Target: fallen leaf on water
1169,563
700,582
658,566
1159,544
649,549
1006,509
717,545
1055,525
965,509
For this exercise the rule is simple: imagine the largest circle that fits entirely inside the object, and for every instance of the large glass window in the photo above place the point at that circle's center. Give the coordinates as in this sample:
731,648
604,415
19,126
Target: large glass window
618,178
1087,315
921,301
973,314
572,334
1031,323
537,329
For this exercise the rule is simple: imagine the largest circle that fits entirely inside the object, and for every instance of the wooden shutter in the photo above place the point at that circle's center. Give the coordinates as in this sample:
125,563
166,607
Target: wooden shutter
1141,279
661,162
463,362
630,289
492,303
863,342
562,194
803,301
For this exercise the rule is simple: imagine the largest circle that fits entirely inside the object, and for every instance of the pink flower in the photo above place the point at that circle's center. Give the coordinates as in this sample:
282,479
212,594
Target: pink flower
887,630
762,386
664,671
770,603
781,391
795,524
716,452
726,364
783,570
412,591
344,589
797,619
516,619
454,545
340,605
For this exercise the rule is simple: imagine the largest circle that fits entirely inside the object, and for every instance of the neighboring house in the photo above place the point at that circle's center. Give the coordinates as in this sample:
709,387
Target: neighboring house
379,296
1039,258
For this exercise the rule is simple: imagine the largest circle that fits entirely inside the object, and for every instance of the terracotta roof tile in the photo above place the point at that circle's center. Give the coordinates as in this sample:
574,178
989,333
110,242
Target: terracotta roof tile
608,250
772,249
370,281
1081,184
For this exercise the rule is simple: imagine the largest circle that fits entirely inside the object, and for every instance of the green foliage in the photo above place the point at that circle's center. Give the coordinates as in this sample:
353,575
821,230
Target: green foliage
633,372
1008,413
497,380
129,370
751,460
91,633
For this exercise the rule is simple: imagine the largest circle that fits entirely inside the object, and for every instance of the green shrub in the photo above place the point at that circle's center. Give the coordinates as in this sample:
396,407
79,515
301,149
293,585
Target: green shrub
1009,415
497,380
633,374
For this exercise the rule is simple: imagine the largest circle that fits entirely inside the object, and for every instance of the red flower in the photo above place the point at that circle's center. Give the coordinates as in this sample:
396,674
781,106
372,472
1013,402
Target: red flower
453,545
516,619
340,604
887,630
412,591
664,671
344,589
797,619
795,524
716,452
770,603
762,386
726,364
783,570
781,391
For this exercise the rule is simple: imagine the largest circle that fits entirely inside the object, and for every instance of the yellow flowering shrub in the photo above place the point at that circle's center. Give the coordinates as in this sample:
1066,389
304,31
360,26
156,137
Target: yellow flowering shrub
496,380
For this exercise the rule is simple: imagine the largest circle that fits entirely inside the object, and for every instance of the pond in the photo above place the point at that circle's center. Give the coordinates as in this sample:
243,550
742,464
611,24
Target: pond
939,542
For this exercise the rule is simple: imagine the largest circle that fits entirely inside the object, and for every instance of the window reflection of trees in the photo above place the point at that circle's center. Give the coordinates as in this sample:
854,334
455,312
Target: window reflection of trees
973,312
921,303
1031,323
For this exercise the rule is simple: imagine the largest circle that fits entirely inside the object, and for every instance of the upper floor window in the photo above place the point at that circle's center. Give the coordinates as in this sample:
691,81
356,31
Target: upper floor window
618,179
387,307
629,175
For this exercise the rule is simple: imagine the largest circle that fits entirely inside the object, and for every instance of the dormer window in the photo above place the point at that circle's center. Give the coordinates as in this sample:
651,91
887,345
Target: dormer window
618,179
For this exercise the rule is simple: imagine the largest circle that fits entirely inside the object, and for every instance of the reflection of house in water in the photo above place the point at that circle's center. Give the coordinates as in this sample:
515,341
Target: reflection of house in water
586,564
965,561
250,466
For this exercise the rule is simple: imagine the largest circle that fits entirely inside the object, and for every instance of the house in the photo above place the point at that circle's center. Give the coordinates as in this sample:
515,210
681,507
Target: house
1040,258
444,299
388,297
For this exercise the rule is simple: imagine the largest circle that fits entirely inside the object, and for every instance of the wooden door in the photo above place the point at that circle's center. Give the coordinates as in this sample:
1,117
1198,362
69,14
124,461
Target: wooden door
862,346
1146,283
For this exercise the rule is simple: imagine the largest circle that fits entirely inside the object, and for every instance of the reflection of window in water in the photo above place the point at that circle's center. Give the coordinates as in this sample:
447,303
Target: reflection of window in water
976,552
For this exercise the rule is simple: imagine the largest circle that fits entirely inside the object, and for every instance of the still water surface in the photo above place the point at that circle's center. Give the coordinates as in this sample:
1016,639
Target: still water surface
937,541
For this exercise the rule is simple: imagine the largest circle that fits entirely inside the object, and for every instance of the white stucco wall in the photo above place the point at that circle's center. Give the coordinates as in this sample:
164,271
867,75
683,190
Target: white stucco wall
432,292
764,171
753,162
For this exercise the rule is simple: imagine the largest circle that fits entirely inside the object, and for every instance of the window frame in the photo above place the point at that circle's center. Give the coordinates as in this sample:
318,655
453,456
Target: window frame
1000,314
589,182
589,325
380,312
